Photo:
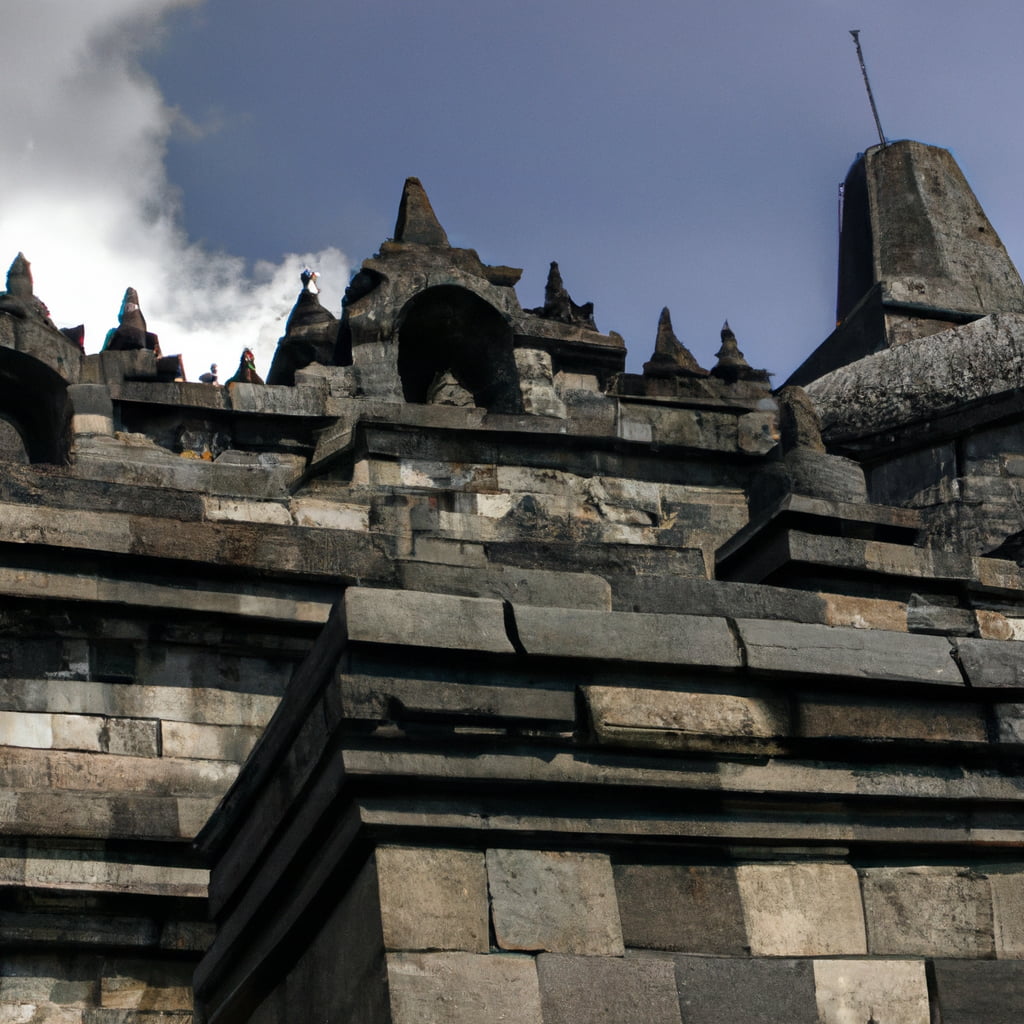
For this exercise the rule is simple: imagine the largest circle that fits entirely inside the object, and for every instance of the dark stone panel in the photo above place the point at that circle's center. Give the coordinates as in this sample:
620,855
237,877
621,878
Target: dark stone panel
980,991
726,990
607,990
689,908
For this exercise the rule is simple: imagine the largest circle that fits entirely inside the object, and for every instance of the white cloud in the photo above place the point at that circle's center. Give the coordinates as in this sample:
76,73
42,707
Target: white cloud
84,193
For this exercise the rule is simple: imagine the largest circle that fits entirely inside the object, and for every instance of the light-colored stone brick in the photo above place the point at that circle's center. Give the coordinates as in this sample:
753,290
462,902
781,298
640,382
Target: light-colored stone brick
1008,914
433,899
928,911
559,902
208,742
884,991
463,988
802,909
673,718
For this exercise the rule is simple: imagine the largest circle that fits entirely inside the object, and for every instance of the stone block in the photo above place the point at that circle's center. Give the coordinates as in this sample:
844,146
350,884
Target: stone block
176,703
463,988
1008,914
886,991
730,990
927,911
45,978
21,729
599,990
992,663
553,901
675,595
979,991
802,909
426,620
925,615
330,515
994,626
857,653
208,742
931,721
1010,722
449,552
146,985
674,719
864,613
624,636
230,510
507,583
690,908
86,868
385,698
433,898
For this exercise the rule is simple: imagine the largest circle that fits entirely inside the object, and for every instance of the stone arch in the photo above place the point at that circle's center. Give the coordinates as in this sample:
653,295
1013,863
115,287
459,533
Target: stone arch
33,410
448,328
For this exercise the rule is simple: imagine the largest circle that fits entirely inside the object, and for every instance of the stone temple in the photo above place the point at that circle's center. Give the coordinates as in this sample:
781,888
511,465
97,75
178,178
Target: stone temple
455,675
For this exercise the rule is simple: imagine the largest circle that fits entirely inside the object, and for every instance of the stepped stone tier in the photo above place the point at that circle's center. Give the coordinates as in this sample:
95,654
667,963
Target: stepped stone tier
457,675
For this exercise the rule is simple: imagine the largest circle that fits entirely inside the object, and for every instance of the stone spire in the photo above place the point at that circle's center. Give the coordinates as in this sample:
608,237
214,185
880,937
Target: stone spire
558,304
18,300
417,221
732,365
310,335
131,332
671,357
19,278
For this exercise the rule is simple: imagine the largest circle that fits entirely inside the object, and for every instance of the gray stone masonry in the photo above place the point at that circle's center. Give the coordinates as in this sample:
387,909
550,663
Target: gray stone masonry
471,678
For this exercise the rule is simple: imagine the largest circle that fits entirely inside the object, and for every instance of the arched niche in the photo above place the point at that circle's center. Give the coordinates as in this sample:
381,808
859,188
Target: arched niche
33,410
447,328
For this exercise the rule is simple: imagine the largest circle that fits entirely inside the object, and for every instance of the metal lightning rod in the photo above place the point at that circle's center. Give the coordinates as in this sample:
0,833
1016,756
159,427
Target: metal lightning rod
855,32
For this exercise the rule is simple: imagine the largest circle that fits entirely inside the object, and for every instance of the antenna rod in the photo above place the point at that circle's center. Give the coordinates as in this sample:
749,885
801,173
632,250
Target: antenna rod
855,32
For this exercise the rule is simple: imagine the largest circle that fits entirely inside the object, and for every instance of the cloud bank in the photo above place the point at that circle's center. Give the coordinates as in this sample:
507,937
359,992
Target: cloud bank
84,192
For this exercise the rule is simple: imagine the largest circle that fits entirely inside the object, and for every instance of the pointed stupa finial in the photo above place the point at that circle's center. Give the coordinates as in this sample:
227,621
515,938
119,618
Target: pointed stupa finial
417,221
131,332
558,304
729,355
19,278
732,366
671,357
19,300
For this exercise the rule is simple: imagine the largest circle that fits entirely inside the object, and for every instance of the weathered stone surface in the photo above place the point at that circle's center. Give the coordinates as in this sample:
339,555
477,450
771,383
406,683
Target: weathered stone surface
673,720
425,620
463,988
927,911
341,974
931,721
89,867
207,742
864,990
858,653
388,698
1008,913
559,902
977,991
507,583
921,378
864,613
726,990
690,908
175,703
433,898
694,640
144,985
802,909
602,991
992,663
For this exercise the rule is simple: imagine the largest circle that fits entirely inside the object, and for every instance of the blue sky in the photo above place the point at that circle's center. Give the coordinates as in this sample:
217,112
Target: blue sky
680,154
